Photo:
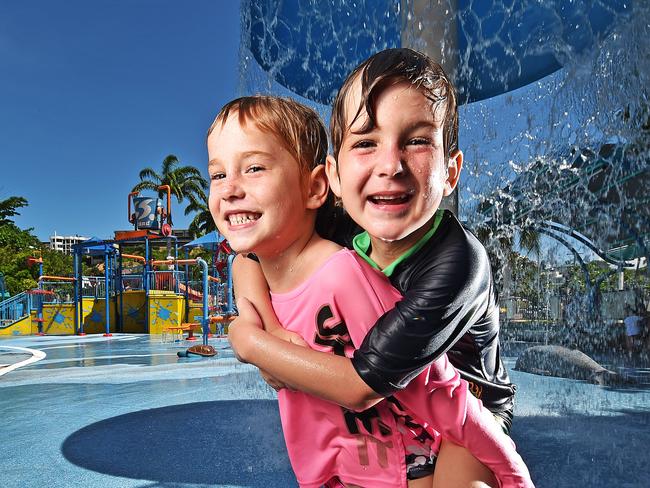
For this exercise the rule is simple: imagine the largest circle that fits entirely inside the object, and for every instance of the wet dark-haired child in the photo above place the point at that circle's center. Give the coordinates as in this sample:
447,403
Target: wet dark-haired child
394,132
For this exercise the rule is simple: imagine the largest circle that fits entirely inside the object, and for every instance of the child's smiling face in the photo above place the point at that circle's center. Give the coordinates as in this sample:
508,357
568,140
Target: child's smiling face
392,178
257,193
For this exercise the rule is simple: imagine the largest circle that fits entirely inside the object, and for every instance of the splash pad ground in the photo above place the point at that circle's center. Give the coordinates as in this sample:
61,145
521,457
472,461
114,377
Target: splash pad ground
127,412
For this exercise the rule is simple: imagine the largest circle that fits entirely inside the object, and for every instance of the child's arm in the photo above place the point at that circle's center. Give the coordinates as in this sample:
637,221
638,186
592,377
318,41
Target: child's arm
321,374
440,398
445,294
249,283
318,373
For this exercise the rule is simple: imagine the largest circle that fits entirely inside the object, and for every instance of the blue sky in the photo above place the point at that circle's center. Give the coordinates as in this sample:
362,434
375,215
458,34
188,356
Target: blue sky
92,92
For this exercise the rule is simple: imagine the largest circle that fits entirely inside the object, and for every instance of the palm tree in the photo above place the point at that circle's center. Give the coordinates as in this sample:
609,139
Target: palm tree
184,181
500,232
203,222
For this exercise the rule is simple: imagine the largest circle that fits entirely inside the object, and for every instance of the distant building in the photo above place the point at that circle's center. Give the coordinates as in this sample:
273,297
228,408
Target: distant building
65,243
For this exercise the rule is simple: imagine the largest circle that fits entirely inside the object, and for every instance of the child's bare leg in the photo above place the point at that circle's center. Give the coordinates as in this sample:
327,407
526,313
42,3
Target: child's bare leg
457,468
426,482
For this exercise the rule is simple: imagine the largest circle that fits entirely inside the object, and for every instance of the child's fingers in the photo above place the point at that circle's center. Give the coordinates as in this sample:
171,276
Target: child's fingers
277,385
291,337
297,339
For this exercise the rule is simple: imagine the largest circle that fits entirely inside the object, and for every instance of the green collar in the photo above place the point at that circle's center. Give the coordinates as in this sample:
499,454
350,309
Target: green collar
361,244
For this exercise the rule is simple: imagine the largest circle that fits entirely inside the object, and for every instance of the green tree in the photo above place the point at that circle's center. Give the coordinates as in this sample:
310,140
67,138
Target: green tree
203,222
183,181
8,208
56,263
16,245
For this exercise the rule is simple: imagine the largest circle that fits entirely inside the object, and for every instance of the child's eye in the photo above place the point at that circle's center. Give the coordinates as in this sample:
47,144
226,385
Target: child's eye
217,176
419,141
364,144
254,169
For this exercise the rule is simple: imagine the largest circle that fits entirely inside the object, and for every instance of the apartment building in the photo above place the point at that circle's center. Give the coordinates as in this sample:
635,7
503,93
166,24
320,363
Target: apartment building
65,243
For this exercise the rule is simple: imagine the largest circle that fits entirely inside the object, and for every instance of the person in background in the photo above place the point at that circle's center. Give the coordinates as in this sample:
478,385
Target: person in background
633,329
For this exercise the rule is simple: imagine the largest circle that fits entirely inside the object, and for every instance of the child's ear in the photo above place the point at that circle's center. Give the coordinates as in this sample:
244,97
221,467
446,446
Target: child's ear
318,187
454,166
331,167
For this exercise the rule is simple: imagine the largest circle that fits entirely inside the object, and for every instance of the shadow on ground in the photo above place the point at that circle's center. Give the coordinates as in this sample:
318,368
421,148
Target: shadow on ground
240,442
586,451
225,442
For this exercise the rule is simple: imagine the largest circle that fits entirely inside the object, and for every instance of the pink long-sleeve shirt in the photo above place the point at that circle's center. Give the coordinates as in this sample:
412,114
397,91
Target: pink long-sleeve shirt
333,310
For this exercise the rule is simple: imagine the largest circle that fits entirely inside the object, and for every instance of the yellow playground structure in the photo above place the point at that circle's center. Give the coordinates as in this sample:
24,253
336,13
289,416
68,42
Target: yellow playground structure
137,294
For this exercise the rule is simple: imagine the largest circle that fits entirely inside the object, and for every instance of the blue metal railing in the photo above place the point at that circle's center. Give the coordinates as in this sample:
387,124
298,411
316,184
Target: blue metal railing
54,292
15,308
132,282
165,280
93,286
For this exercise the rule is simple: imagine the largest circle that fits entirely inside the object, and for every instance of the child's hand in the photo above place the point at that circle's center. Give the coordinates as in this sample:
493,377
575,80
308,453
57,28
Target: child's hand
276,384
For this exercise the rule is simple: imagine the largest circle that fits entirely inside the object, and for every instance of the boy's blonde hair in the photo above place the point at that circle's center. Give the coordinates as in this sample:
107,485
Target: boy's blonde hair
385,69
297,127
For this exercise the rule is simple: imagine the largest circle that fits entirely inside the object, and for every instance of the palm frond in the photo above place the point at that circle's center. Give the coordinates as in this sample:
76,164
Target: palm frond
195,207
145,185
198,203
189,171
530,240
149,174
168,164
202,224
195,188
201,196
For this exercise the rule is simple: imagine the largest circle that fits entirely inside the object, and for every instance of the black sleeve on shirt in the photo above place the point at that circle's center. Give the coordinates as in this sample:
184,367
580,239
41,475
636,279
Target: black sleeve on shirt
252,256
446,290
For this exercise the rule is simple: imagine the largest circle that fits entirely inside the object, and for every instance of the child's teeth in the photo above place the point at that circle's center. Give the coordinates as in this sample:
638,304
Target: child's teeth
240,219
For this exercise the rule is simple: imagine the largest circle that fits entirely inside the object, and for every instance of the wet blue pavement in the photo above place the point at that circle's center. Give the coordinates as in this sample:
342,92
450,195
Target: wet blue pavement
127,412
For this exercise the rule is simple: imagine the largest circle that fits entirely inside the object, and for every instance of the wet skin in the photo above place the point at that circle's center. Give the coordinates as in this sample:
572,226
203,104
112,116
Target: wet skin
392,178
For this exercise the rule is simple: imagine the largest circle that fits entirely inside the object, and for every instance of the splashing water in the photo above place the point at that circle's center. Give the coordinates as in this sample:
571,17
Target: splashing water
555,128
555,135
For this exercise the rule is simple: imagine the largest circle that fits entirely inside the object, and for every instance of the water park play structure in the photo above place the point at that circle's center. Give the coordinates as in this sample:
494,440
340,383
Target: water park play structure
137,293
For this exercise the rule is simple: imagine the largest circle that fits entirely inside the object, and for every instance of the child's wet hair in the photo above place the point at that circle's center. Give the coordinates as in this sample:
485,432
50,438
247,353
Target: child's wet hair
387,68
297,127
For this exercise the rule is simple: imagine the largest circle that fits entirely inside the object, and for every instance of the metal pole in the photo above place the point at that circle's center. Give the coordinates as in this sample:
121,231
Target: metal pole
145,278
40,301
120,286
81,295
205,320
187,284
106,294
231,303
75,267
